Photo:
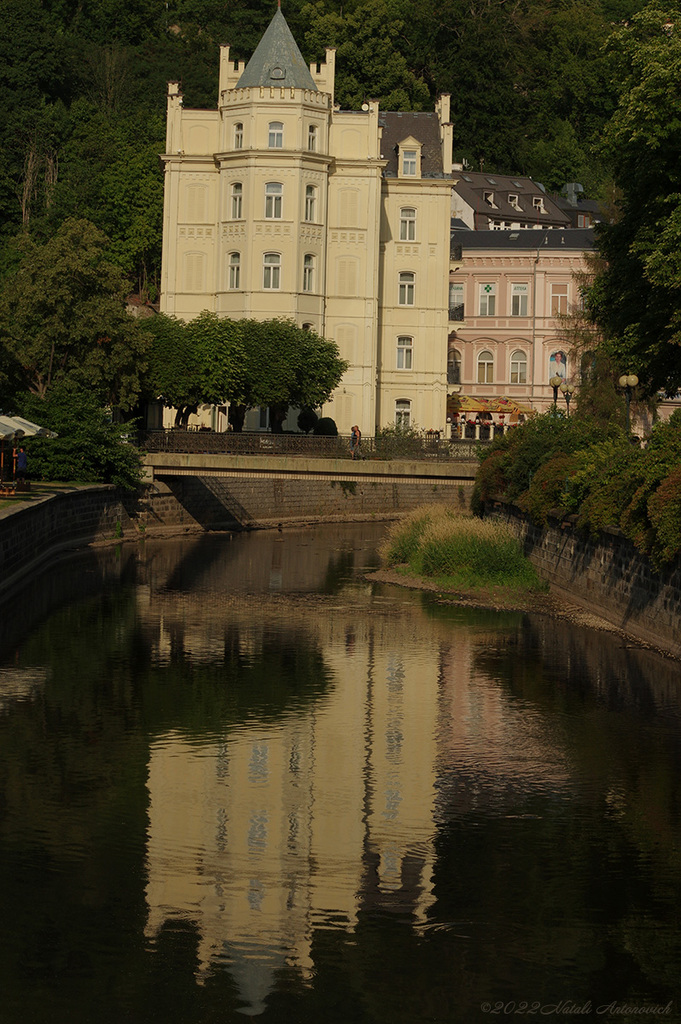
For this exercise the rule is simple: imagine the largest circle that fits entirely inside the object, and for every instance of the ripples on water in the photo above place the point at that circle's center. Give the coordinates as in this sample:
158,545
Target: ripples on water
236,778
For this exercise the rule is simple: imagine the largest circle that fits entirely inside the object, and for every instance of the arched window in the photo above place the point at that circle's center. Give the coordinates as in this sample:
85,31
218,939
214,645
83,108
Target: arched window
234,270
308,273
310,202
307,327
406,289
405,346
485,368
518,368
238,135
271,270
273,197
407,224
453,366
312,138
237,199
402,414
276,135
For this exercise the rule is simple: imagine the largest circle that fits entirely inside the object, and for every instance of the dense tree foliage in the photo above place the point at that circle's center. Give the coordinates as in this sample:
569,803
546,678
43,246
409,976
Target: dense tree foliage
82,92
636,296
63,314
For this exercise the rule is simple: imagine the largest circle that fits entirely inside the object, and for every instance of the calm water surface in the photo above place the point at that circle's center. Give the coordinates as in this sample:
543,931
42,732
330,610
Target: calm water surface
237,778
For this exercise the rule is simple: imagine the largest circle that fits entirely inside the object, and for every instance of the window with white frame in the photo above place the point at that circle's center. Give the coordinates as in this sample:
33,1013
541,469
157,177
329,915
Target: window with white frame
237,200
273,198
234,270
406,289
308,273
310,202
312,135
409,160
518,368
485,368
403,414
407,224
538,204
271,270
559,299
519,293
405,347
488,299
238,135
513,201
275,137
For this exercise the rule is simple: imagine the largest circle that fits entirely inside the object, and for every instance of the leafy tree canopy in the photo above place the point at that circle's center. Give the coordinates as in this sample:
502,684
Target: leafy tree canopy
636,299
63,314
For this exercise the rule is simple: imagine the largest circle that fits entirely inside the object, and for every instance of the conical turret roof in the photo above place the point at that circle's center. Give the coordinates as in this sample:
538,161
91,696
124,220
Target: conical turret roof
277,60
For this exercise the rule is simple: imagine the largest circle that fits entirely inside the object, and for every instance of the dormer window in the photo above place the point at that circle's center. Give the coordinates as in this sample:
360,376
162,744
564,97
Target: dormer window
277,73
513,201
488,197
538,204
409,162
409,158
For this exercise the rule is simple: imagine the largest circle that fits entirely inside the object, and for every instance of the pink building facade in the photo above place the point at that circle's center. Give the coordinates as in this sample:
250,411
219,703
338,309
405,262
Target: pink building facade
507,292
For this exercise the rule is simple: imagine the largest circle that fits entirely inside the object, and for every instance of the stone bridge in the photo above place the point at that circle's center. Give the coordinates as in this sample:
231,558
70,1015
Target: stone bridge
227,491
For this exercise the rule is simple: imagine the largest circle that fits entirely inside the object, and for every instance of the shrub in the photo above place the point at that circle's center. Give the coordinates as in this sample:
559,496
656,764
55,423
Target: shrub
325,427
548,487
89,447
664,510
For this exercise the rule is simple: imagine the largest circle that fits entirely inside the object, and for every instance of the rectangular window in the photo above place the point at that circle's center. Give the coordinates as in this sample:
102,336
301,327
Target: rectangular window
455,301
519,293
559,299
407,224
273,194
409,162
404,353
271,270
308,273
488,299
275,136
406,291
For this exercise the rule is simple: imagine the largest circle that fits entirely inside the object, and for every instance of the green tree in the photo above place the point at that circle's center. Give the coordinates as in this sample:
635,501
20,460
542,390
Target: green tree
636,299
62,313
89,448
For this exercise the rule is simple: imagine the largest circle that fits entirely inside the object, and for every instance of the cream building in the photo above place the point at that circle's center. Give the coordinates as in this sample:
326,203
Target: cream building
279,204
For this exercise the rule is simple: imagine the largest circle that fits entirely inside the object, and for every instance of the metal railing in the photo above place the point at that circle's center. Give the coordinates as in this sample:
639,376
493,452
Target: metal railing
207,442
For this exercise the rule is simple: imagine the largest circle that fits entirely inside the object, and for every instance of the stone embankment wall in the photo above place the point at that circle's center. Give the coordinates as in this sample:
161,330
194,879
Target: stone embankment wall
608,576
40,529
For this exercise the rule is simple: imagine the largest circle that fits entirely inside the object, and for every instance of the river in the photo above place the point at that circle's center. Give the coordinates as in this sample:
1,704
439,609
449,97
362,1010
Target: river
238,778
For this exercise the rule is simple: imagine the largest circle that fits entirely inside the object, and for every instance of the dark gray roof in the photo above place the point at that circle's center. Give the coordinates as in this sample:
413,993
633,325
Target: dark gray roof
472,185
563,239
277,60
423,127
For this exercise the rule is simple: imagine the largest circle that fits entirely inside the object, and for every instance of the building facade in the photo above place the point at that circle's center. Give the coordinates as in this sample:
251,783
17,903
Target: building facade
279,204
507,293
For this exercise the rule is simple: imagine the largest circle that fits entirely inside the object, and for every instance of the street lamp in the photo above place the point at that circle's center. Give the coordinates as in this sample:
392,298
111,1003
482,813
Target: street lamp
568,390
628,382
555,383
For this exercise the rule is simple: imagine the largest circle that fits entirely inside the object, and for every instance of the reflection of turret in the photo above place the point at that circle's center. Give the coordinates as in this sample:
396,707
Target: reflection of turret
267,835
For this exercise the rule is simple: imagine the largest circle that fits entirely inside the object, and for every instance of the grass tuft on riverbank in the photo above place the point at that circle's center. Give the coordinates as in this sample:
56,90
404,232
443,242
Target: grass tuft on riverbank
459,552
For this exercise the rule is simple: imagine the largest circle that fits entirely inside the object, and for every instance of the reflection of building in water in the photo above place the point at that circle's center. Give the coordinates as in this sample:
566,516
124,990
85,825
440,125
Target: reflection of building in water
273,831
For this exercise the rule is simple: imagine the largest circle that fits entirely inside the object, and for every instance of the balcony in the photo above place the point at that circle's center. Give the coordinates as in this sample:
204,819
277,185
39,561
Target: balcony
456,312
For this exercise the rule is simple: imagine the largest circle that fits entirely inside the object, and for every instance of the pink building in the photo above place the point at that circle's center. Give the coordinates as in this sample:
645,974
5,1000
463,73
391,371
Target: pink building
507,290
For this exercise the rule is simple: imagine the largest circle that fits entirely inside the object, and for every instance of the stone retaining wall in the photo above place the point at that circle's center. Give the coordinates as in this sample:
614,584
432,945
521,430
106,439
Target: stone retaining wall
608,576
39,529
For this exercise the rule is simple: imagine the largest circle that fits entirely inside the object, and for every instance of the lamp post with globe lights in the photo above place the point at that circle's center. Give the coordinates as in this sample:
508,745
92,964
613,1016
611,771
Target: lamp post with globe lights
555,383
628,382
568,390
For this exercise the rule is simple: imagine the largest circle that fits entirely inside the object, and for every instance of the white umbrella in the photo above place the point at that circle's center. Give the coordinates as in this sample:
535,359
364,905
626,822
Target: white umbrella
8,429
27,429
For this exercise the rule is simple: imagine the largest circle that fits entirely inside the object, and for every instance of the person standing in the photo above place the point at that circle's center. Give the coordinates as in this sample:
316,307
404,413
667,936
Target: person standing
355,441
22,464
